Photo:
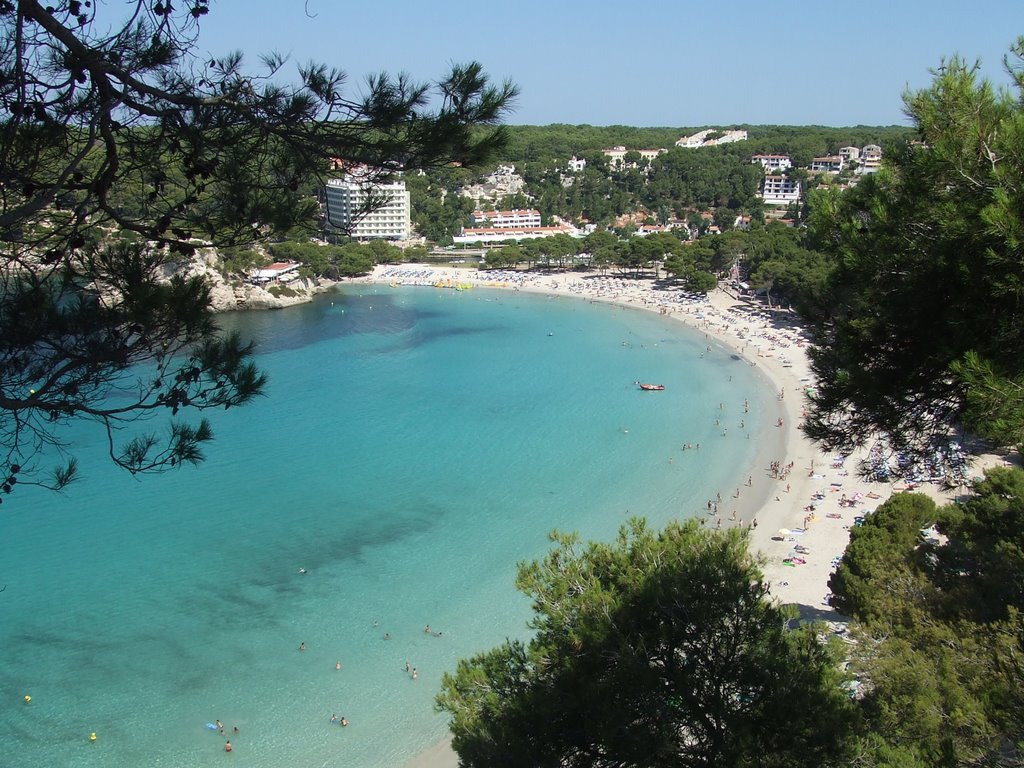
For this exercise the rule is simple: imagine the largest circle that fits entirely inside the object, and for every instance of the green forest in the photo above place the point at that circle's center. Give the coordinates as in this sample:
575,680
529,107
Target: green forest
680,182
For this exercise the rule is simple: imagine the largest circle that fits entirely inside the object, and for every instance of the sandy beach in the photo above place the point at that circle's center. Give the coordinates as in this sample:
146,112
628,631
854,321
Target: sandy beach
804,501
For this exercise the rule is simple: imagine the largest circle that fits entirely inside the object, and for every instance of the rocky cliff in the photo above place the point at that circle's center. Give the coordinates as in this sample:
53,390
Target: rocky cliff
238,294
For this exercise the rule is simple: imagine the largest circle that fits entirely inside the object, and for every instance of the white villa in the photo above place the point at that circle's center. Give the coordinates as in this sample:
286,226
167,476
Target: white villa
779,190
617,155
870,159
827,164
775,163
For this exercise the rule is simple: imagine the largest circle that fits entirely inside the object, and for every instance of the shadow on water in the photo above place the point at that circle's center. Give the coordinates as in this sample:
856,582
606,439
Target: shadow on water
336,315
327,317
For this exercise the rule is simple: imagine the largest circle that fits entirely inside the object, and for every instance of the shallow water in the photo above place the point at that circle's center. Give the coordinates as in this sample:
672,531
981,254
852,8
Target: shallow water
414,446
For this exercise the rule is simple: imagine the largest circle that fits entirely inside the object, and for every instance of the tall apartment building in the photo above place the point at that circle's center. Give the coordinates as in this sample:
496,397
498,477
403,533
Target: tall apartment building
347,199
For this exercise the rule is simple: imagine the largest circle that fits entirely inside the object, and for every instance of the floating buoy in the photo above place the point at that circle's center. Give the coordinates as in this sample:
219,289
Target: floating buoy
28,699
92,737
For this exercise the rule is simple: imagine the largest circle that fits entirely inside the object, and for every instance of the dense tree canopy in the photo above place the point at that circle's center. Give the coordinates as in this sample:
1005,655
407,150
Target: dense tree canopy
660,649
118,148
925,330
940,632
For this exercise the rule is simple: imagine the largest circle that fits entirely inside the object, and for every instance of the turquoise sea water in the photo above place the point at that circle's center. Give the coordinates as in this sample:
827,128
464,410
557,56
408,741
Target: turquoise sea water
415,445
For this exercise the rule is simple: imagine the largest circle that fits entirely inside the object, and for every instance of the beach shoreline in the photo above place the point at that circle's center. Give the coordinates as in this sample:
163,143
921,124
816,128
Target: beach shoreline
800,503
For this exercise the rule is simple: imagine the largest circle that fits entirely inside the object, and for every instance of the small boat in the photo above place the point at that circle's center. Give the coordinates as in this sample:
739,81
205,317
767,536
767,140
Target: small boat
652,387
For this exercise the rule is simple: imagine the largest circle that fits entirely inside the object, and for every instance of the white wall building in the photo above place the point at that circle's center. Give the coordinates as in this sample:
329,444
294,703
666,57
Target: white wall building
497,235
779,190
729,137
849,154
697,140
278,272
346,202
828,164
514,219
617,155
576,164
870,159
774,163
701,139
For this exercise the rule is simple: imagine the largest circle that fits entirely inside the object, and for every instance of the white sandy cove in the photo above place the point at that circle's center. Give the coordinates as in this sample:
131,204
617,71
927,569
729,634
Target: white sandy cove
799,544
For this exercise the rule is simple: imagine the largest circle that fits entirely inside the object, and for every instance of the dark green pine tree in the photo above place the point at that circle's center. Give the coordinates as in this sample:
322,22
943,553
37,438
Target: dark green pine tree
659,649
120,151
925,332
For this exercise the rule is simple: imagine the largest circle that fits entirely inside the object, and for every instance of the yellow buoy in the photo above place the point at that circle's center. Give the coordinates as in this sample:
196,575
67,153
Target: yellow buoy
28,699
92,737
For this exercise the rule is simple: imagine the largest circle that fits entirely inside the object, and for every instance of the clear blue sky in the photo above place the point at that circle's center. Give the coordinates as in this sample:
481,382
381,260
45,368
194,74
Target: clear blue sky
655,63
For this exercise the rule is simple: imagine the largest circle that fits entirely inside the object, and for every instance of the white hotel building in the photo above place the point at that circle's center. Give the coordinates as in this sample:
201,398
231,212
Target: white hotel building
514,219
346,200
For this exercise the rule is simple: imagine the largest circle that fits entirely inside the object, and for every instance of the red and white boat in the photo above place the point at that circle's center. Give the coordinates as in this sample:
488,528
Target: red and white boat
652,387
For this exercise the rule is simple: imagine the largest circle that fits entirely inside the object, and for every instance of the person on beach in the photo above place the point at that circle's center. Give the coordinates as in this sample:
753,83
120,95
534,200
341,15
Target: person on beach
302,646
334,718
337,665
228,747
344,721
415,673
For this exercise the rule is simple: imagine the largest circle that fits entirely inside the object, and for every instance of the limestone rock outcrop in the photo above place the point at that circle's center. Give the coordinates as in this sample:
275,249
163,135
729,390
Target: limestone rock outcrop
237,294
